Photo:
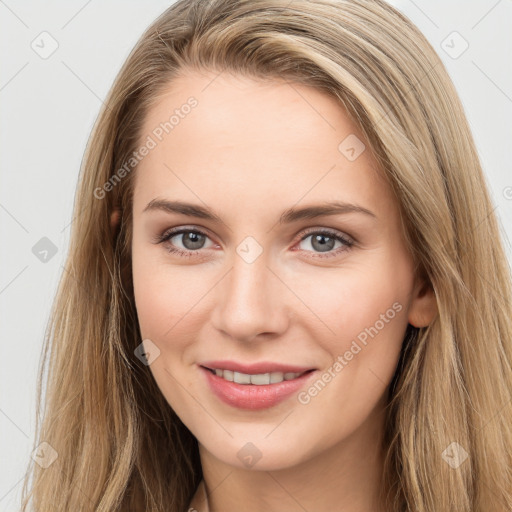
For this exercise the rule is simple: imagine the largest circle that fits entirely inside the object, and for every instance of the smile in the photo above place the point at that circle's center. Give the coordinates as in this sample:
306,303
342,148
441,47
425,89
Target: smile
254,391
258,379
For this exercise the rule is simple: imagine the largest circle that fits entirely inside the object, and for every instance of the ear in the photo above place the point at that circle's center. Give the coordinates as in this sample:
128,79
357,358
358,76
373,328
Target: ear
115,218
423,306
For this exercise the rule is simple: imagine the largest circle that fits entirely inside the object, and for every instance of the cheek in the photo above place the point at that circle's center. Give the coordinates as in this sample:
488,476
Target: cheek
350,299
363,313
164,301
367,312
165,296
167,316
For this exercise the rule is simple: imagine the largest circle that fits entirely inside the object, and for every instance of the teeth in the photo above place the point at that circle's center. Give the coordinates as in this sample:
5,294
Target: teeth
258,379
241,378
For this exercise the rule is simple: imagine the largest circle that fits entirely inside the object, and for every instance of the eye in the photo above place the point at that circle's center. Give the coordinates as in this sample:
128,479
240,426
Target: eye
192,241
324,240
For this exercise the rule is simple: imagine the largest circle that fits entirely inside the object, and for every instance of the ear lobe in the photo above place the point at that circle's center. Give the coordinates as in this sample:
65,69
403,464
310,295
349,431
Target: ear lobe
115,218
423,307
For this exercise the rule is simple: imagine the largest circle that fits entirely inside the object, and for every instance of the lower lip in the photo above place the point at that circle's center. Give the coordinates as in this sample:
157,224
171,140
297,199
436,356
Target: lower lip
252,396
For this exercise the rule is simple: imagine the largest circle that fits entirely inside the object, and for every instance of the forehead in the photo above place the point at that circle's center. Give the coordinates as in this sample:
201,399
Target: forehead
254,142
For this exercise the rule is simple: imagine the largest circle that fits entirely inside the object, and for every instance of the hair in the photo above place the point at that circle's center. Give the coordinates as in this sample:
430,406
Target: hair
120,445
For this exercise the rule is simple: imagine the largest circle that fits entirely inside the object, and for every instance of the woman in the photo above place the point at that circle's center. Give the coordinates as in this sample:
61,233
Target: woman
285,287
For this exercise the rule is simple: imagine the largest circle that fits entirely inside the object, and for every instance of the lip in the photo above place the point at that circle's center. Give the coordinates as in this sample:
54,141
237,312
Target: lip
251,396
255,368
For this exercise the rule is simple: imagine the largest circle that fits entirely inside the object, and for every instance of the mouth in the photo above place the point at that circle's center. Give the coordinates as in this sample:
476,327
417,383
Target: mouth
254,391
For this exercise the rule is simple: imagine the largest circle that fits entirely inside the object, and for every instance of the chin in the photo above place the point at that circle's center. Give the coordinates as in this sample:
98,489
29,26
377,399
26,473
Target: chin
258,454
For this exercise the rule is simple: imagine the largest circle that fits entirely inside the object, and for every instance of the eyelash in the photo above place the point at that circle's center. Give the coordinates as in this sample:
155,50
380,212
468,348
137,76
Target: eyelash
167,235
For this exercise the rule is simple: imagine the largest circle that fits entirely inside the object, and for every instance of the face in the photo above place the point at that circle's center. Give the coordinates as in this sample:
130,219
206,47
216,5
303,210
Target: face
241,277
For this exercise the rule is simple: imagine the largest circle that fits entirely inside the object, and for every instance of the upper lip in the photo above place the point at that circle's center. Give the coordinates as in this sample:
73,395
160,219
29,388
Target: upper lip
255,368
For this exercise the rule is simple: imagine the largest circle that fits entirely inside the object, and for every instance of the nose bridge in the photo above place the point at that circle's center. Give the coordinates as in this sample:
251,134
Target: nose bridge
249,301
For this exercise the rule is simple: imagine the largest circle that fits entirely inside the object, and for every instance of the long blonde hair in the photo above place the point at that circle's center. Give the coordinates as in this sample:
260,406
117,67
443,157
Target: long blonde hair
120,446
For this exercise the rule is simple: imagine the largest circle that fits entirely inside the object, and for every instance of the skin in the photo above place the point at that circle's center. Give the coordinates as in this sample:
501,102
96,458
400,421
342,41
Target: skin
249,151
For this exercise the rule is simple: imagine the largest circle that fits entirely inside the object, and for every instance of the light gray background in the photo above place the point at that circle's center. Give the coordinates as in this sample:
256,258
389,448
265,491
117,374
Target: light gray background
48,108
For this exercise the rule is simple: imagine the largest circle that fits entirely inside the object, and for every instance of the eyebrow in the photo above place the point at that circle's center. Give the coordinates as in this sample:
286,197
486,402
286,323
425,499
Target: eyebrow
288,216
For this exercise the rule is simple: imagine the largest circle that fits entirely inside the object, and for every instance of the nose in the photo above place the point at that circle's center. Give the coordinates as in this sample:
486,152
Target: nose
251,301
